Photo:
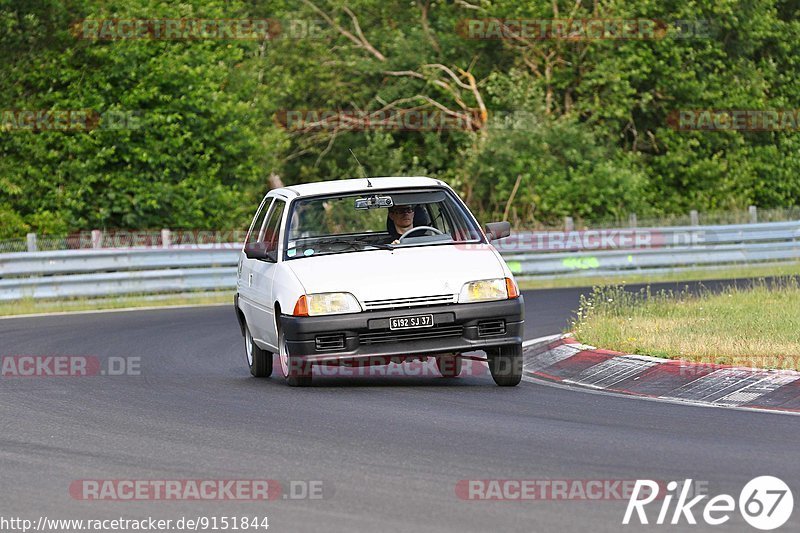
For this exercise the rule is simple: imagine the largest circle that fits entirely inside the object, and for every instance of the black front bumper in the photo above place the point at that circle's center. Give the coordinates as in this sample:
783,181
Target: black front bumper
456,328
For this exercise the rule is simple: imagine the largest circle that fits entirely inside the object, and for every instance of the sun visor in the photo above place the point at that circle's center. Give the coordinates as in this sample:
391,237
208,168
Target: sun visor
416,198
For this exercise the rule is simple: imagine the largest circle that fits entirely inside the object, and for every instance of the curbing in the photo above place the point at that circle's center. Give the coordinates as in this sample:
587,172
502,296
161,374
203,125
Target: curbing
562,359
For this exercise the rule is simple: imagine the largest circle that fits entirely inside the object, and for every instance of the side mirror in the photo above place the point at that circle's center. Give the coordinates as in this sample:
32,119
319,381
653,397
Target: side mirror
258,250
497,230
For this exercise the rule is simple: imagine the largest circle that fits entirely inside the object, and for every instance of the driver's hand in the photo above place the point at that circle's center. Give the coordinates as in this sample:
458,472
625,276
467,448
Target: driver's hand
396,241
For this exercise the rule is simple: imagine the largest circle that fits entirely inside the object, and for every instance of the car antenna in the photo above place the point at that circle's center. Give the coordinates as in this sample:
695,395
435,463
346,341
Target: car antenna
369,184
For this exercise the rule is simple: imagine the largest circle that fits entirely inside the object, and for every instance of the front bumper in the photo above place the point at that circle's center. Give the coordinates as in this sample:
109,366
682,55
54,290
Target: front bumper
456,328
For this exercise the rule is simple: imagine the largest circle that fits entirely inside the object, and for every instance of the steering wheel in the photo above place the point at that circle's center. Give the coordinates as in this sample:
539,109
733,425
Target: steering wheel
420,228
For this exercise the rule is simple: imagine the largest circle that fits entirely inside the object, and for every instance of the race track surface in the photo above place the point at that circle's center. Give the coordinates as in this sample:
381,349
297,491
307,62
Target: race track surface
388,450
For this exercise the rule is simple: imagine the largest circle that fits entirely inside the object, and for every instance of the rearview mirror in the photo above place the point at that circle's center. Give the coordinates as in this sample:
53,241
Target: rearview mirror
258,250
497,230
374,202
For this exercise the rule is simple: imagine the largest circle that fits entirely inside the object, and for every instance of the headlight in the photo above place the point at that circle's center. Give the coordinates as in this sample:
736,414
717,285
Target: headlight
326,303
484,290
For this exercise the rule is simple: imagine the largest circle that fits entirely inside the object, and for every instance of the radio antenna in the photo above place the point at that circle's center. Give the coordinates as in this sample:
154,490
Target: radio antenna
364,172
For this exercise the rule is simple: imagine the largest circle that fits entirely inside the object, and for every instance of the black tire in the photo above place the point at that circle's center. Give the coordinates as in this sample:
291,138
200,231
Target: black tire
505,365
259,361
297,373
449,365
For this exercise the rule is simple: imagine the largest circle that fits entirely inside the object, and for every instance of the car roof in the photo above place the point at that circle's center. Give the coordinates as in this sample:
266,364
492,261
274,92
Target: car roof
356,185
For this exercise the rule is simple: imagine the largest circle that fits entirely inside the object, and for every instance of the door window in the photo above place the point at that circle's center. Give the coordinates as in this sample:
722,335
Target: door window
258,222
271,231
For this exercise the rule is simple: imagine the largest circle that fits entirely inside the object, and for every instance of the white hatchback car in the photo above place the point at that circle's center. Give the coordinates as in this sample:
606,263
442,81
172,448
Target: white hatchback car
368,271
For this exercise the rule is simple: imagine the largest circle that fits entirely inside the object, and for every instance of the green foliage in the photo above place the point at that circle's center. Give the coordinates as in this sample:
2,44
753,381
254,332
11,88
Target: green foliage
581,126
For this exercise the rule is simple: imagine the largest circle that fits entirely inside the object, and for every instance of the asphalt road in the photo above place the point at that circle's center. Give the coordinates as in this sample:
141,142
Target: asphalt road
389,451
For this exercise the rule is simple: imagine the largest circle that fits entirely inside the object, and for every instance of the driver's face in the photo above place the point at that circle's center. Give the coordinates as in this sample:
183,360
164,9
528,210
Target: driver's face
402,216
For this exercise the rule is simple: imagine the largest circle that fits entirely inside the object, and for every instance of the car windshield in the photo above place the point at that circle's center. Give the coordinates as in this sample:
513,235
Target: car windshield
373,220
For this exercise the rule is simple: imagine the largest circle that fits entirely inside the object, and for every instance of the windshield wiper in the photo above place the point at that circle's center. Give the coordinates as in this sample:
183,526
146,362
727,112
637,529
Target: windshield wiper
355,244
379,245
352,244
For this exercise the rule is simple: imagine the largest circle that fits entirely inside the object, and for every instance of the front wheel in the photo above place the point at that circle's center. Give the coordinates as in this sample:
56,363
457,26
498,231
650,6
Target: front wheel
505,365
259,361
296,372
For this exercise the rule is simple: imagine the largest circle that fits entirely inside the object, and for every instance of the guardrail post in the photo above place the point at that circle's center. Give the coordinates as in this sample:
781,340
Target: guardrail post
632,221
32,247
166,238
569,224
97,238
694,217
753,214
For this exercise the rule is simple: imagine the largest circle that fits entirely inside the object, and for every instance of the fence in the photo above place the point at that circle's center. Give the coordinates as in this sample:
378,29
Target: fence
180,268
130,239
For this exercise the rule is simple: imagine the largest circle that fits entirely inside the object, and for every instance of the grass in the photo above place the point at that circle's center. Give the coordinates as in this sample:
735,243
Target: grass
31,306
691,274
756,326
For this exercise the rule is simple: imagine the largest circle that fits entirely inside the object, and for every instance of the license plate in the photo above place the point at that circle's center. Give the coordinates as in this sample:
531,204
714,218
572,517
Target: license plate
409,322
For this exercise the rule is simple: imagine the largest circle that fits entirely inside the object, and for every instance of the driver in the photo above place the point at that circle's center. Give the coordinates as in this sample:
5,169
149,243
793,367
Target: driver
401,219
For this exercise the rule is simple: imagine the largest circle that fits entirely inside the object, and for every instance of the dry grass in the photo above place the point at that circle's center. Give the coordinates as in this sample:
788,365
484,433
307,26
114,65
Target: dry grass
755,326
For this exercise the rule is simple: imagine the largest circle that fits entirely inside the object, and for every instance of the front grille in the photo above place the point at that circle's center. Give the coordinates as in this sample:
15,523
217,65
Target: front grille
393,303
326,343
436,332
488,328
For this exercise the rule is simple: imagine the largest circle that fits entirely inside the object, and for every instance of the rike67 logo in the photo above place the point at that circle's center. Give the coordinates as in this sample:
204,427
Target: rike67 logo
765,503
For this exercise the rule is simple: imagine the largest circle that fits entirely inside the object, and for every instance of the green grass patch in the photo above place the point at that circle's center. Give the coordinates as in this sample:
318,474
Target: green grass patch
30,306
756,326
691,274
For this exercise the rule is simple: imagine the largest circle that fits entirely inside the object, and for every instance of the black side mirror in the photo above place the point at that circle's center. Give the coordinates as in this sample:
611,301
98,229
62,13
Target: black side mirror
258,250
497,230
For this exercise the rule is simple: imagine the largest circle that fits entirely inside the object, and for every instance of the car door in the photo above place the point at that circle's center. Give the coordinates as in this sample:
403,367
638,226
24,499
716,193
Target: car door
263,273
245,272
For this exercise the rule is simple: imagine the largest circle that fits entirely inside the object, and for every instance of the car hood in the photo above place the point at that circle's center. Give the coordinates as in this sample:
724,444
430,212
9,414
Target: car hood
401,273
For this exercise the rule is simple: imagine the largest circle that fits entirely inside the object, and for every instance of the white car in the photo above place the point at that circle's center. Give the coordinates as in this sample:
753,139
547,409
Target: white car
375,270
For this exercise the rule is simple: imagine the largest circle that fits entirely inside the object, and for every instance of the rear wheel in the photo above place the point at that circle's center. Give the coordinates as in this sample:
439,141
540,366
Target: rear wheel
259,361
296,372
505,365
449,365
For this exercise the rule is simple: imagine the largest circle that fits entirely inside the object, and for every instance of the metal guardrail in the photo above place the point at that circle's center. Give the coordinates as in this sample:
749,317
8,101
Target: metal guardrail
604,262
118,271
105,260
119,283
